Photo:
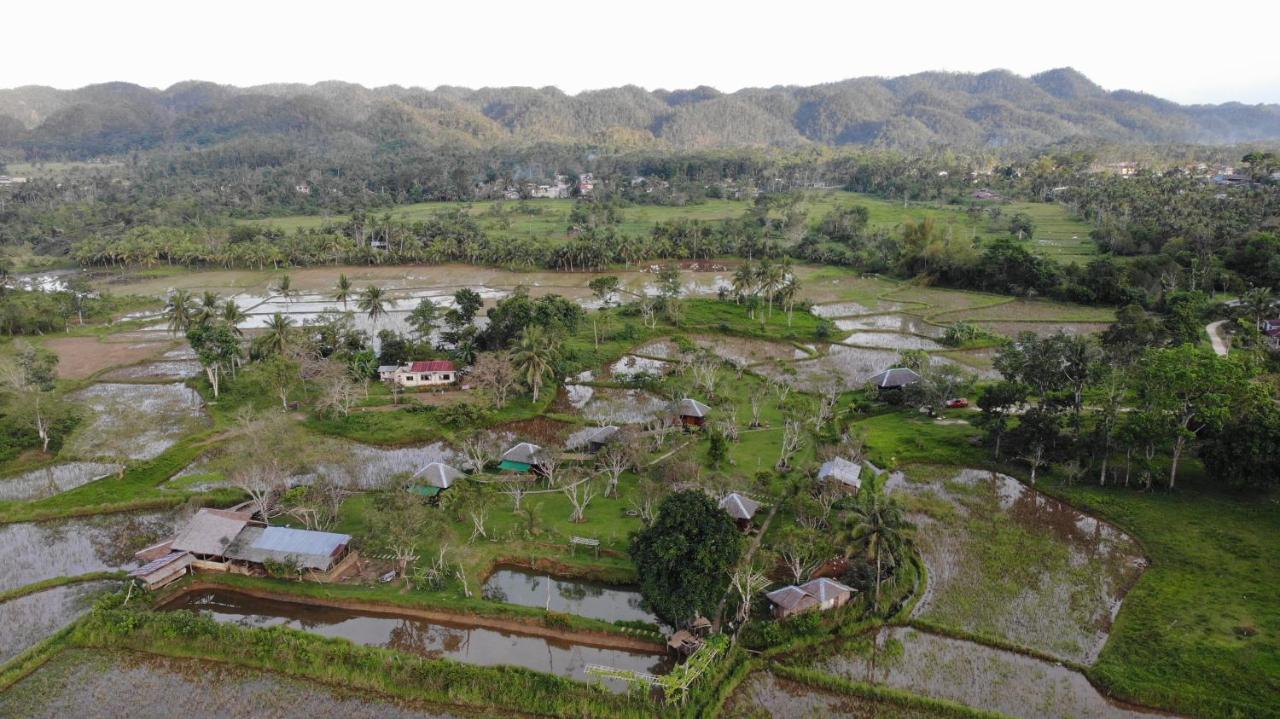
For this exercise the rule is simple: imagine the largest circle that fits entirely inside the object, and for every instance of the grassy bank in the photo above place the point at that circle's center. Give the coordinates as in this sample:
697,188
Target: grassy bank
57,582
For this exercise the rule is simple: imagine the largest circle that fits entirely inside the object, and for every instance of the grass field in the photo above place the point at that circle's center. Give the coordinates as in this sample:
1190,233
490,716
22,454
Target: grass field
1057,234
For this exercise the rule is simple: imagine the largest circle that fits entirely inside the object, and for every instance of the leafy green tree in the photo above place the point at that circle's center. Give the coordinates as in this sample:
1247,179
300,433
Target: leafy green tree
233,315
423,318
1021,226
1190,390
217,347
1132,334
278,334
998,402
1244,452
684,558
468,303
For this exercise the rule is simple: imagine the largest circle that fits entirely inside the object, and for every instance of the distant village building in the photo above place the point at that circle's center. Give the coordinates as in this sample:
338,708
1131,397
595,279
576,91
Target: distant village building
1271,332
598,439
691,412
741,508
848,475
815,595
429,373
985,195
302,189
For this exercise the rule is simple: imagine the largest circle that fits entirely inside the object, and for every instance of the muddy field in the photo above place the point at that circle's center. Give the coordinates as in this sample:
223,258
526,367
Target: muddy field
51,480
764,695
81,357
134,421
1010,562
972,674
126,685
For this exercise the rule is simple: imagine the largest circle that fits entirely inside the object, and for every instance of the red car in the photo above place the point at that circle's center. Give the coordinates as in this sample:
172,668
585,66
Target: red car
959,403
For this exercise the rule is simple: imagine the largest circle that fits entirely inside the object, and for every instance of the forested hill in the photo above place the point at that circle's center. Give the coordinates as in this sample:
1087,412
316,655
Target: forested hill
995,109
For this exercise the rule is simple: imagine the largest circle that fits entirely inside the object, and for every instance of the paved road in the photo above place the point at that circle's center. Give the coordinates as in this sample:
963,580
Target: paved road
1220,343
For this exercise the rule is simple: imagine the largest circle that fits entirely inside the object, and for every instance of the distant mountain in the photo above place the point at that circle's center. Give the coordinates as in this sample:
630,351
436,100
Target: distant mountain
995,109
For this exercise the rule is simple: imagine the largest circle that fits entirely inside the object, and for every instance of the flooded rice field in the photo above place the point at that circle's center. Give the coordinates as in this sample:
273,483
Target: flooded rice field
468,644
906,324
629,367
972,674
567,596
135,421
1043,329
831,310
623,406
660,348
67,547
890,340
26,621
742,351
128,685
166,369
842,367
766,695
1008,561
54,479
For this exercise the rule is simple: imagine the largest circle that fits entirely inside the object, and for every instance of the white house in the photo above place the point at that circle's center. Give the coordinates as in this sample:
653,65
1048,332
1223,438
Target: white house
420,374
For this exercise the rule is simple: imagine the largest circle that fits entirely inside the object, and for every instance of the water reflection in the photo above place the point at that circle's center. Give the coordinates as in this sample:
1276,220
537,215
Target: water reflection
473,645
26,621
35,552
569,596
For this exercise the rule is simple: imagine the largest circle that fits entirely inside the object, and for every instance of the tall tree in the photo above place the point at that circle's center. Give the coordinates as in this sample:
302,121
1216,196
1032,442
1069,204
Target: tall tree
878,528
342,291
535,356
373,302
218,349
179,310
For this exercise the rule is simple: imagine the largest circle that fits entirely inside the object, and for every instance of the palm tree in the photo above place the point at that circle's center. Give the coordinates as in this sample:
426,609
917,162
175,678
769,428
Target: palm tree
179,310
343,291
743,280
278,334
878,527
373,301
233,316
207,309
285,287
535,355
1258,301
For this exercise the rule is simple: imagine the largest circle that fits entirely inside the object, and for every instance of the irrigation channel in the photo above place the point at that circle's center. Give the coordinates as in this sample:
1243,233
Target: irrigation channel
567,596
457,640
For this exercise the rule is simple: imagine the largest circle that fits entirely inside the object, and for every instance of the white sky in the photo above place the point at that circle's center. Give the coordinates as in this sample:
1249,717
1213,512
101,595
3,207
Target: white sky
1209,52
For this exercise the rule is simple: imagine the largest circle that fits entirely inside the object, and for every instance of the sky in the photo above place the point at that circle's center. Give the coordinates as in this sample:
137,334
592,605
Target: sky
1207,52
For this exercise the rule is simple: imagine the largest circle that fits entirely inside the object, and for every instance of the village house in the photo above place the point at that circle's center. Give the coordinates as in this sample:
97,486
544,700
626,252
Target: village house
433,479
1271,333
894,378
741,508
845,474
691,412
597,440
522,458
815,595
429,373
220,540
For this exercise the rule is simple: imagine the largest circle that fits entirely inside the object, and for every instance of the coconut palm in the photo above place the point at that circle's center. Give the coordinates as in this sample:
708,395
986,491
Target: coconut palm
233,316
744,279
284,287
343,291
535,355
278,333
207,309
180,311
373,301
878,528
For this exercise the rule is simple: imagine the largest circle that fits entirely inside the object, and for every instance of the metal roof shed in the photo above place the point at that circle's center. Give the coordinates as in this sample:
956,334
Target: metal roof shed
302,547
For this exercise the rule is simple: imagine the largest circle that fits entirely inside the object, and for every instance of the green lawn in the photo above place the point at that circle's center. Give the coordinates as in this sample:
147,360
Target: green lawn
1200,633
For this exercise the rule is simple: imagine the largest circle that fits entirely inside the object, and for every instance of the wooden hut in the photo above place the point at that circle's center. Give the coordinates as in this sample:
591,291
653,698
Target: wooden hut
741,508
843,473
691,412
521,458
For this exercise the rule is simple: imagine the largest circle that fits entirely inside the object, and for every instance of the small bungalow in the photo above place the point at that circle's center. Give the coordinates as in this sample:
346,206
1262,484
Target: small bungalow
387,372
521,458
430,373
817,594
847,475
597,440
894,378
691,412
433,479
741,508
1271,332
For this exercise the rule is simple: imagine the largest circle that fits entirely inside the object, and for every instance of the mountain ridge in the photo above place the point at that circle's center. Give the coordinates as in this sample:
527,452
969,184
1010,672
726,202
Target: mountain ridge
992,109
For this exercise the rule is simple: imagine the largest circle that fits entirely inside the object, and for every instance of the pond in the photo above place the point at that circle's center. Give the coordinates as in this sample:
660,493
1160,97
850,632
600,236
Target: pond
972,674
1008,561
135,421
26,621
128,685
68,547
456,641
608,405
567,596
54,479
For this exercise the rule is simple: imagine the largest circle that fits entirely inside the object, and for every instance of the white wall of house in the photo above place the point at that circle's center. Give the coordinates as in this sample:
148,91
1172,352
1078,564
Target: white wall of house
422,379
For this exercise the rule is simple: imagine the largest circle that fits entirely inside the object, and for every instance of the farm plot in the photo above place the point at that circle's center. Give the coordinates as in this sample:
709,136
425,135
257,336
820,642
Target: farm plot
26,621
135,421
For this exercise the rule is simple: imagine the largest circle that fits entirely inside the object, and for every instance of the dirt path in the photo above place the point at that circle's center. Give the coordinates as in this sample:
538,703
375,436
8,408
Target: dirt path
530,627
1220,343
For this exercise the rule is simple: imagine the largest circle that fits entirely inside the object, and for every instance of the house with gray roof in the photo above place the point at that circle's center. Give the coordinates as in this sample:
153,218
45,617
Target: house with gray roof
210,532
433,479
302,548
894,378
815,595
848,475
741,508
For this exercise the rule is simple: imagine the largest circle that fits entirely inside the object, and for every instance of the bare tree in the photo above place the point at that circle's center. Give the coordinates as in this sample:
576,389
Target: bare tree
747,582
1034,457
792,441
617,457
550,462
646,500
480,450
579,493
800,550
757,404
516,489
705,371
338,393
660,428
494,373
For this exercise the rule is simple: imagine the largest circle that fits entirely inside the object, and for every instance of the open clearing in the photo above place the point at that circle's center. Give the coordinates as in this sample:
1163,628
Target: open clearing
81,357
